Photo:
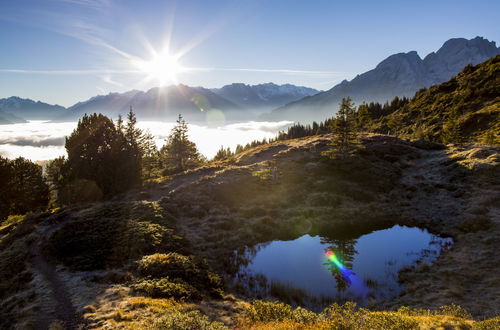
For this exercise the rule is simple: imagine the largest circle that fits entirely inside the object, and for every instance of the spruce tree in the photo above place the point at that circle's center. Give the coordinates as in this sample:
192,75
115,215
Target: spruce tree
179,153
363,117
343,128
97,152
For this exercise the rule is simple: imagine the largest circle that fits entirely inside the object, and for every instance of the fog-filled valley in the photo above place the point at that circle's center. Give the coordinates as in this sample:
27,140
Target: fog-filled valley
42,140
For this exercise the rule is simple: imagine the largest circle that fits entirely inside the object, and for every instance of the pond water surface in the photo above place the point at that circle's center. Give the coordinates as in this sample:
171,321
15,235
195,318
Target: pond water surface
326,269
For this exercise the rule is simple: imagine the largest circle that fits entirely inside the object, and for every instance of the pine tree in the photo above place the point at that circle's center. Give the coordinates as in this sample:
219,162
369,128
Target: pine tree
97,152
6,174
343,128
29,190
223,153
179,153
363,117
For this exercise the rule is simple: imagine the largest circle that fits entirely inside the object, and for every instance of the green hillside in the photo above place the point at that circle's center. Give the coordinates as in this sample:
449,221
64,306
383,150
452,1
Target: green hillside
463,109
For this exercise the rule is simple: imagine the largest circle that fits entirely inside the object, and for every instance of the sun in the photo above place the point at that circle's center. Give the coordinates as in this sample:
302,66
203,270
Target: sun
163,67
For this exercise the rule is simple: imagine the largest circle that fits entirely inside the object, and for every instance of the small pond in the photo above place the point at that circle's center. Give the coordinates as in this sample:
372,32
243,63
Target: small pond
316,270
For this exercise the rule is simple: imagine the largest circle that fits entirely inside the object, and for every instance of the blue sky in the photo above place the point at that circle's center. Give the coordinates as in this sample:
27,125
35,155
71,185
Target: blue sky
64,51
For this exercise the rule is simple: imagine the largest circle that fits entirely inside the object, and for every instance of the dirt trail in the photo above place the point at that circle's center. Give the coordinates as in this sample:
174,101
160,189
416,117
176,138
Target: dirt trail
58,305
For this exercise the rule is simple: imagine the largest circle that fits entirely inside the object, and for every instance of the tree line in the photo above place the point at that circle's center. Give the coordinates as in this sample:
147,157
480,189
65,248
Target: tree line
349,118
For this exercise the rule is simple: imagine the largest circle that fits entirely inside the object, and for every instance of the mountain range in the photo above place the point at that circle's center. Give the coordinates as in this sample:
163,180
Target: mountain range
15,110
400,74
263,97
231,102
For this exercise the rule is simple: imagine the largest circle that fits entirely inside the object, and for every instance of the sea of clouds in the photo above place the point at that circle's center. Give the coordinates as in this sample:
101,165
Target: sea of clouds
40,140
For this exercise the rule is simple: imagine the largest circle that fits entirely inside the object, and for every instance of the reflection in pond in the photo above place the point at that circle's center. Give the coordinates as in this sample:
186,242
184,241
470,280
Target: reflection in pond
315,270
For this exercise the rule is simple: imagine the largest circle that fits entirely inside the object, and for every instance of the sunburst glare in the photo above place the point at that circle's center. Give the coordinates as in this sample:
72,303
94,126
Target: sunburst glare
163,66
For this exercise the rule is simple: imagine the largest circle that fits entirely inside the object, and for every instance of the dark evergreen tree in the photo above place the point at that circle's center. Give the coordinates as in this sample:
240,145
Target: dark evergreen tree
97,152
6,174
57,175
363,117
344,132
29,191
223,153
179,153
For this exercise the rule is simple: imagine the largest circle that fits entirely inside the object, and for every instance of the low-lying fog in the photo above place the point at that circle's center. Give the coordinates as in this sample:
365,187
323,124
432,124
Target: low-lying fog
41,140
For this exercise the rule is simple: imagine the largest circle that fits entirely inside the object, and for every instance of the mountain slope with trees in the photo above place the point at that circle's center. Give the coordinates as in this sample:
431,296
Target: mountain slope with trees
465,108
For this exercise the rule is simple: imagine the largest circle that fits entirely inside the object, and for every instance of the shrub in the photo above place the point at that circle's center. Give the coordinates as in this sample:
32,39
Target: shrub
172,264
182,269
164,288
454,310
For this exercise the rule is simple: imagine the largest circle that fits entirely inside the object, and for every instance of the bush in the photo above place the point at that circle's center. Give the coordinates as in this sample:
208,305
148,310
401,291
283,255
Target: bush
172,264
454,310
180,268
164,288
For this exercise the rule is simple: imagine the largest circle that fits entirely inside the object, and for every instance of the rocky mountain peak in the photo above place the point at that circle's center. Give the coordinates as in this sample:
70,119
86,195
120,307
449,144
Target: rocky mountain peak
457,53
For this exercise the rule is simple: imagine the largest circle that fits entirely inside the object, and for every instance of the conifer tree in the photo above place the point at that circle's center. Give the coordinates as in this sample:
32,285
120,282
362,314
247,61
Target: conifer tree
363,117
223,153
97,152
29,191
343,128
179,153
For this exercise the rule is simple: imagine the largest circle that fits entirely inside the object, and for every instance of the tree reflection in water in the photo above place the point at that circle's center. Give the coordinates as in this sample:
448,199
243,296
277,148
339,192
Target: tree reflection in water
340,257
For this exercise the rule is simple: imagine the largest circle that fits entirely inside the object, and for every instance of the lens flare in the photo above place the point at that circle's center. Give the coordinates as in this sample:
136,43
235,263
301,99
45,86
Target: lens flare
355,283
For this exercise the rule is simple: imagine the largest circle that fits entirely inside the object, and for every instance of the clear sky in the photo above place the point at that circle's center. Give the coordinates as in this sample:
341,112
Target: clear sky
64,51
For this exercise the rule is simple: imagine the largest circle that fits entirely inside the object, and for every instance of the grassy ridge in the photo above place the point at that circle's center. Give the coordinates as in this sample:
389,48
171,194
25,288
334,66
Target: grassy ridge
471,98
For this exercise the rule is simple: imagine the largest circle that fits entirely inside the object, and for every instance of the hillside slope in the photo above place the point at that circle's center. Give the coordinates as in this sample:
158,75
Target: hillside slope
470,100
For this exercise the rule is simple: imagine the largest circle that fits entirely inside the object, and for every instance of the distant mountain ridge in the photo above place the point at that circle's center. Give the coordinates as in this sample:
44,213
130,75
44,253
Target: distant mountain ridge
400,74
263,96
163,103
28,109
158,103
